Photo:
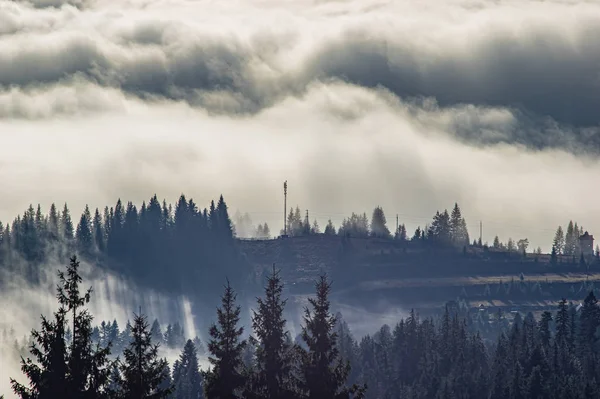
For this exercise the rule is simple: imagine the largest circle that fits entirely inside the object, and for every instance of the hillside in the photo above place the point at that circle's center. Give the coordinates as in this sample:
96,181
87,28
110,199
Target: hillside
375,271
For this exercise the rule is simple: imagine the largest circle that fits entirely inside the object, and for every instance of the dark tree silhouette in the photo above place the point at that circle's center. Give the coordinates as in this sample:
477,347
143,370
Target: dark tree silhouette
142,371
322,372
226,379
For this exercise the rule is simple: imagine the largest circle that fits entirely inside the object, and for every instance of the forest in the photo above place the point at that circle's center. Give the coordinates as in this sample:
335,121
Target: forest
460,352
183,247
553,356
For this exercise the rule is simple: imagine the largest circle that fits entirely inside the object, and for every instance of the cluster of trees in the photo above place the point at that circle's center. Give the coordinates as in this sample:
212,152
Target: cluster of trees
268,365
244,228
511,245
556,356
156,243
567,243
445,229
449,229
301,226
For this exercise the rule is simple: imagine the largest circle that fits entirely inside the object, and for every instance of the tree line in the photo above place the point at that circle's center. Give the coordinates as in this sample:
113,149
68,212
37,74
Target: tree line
445,229
164,245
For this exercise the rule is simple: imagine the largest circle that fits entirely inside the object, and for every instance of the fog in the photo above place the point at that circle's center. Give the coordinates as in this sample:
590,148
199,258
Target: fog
355,103
113,298
411,106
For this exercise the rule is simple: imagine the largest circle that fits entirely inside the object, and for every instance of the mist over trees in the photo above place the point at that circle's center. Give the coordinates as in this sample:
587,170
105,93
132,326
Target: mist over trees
553,356
70,365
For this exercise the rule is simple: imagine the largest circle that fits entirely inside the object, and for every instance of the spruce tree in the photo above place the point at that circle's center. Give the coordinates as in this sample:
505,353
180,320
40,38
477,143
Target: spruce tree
329,229
66,224
142,371
378,224
559,240
322,372
53,221
225,379
98,232
272,378
187,378
66,366
85,240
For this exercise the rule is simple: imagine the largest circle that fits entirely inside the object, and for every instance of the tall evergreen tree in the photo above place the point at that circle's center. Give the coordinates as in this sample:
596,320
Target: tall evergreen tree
322,372
559,240
458,227
226,379
66,224
272,378
329,229
379,224
66,367
143,371
53,223
98,231
84,236
188,380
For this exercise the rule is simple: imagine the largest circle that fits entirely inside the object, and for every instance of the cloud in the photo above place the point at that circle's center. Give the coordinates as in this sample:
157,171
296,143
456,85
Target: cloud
510,57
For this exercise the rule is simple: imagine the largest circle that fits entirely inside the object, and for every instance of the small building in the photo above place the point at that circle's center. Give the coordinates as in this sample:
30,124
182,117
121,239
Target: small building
586,243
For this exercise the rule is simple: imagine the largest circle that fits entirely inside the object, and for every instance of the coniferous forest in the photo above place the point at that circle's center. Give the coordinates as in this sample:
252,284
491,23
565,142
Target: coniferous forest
554,356
449,355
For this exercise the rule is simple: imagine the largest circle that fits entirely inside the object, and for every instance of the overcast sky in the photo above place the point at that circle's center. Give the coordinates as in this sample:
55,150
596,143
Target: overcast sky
411,105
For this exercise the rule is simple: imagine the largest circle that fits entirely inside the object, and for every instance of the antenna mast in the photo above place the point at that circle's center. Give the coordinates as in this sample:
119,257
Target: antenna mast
284,208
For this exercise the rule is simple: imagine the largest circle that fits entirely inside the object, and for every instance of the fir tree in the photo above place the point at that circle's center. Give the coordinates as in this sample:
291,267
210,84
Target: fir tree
66,224
156,333
272,377
85,240
378,224
322,372
76,370
329,228
98,232
188,381
225,379
142,371
559,240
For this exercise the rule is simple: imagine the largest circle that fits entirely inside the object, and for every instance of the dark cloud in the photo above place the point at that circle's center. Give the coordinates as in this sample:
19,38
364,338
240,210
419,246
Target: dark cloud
547,79
549,76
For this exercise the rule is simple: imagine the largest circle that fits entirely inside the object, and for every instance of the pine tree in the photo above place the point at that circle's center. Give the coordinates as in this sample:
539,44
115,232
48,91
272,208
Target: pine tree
569,248
496,244
66,224
272,376
322,372
329,229
156,332
315,229
225,379
78,370
142,371
98,232
458,227
188,380
85,240
378,224
53,221
48,374
559,240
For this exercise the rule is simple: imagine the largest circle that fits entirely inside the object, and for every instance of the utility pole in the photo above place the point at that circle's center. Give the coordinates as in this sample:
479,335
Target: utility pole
285,208
480,231
397,224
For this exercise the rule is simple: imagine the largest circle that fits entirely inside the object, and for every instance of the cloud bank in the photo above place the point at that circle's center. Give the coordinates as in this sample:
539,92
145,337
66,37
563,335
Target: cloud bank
411,106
